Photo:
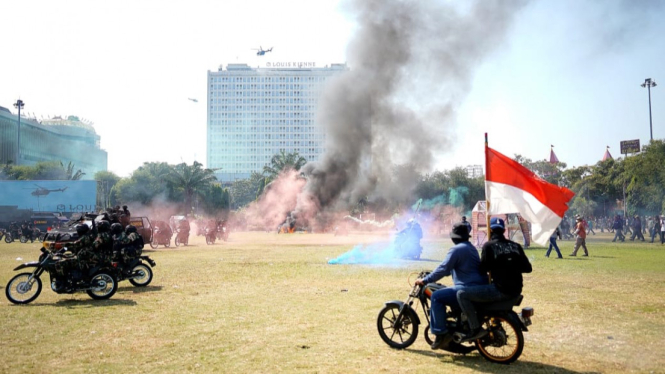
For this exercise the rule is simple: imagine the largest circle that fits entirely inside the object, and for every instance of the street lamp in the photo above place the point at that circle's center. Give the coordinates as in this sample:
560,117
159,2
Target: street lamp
18,105
648,83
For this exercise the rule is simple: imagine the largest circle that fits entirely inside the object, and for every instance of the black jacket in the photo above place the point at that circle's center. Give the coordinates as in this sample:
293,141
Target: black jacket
505,261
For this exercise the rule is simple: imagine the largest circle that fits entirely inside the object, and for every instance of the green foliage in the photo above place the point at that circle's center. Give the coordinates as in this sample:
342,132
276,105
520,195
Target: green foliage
106,180
189,181
282,162
146,184
244,191
44,170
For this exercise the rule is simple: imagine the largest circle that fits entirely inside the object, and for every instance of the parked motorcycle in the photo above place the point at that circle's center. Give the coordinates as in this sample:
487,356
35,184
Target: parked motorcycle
182,237
398,325
99,282
30,234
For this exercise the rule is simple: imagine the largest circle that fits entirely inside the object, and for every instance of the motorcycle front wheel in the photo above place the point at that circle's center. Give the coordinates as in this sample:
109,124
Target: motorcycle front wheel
143,275
397,332
23,239
153,243
504,342
177,242
103,286
8,238
22,290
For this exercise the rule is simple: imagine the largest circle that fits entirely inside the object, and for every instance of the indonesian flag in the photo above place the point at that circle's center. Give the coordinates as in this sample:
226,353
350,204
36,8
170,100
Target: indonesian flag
512,188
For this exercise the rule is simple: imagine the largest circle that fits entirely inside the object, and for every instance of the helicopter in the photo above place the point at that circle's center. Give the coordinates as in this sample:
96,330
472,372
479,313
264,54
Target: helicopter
42,191
261,51
194,100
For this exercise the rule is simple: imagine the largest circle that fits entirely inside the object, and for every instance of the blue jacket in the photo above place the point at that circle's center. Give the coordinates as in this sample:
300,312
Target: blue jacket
463,263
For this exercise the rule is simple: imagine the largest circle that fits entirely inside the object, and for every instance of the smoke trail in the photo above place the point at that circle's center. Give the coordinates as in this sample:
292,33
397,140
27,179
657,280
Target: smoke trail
374,254
411,65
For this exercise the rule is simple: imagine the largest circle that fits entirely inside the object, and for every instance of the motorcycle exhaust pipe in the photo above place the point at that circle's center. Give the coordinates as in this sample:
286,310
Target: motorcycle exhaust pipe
457,337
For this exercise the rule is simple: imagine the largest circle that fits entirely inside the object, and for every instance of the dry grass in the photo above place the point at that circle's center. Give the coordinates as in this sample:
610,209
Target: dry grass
270,303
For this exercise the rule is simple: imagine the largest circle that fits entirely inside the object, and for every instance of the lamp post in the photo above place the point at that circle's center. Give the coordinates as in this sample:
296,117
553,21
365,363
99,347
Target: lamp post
648,83
18,105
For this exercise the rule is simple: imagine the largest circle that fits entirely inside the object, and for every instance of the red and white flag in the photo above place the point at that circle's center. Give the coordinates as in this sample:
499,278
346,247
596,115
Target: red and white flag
512,188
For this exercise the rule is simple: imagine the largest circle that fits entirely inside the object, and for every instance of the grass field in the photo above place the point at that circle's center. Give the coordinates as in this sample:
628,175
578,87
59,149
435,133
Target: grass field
268,303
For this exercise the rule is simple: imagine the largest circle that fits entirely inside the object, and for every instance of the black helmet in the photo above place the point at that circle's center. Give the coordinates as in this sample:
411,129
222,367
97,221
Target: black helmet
116,228
103,226
130,229
460,231
82,229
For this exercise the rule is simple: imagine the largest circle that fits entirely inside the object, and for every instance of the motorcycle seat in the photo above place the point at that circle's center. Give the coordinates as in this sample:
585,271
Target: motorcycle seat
502,305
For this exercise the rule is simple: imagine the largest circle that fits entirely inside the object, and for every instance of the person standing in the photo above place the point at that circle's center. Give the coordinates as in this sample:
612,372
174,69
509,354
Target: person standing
463,263
580,241
662,229
555,234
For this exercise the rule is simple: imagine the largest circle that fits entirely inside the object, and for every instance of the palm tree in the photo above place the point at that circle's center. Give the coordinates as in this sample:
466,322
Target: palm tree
69,172
191,180
282,162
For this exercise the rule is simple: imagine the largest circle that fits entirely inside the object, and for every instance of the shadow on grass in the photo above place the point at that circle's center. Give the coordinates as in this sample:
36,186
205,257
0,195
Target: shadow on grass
480,364
74,303
427,260
140,289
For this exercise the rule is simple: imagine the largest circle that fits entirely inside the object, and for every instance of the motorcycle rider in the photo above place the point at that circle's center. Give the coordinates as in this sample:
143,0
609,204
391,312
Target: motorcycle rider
505,261
463,263
183,230
100,250
409,239
85,240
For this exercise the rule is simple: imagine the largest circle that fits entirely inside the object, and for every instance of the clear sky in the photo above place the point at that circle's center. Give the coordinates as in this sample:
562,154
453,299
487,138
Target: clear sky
568,74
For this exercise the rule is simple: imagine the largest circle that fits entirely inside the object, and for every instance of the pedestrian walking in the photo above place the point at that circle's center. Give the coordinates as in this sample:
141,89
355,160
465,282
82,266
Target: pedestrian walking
618,229
580,241
637,229
556,234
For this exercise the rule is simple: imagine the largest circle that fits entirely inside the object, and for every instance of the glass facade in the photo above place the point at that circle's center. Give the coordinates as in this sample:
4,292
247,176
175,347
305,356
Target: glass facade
254,113
56,139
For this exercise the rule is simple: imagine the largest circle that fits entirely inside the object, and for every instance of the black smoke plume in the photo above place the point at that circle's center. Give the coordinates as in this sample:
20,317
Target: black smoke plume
411,64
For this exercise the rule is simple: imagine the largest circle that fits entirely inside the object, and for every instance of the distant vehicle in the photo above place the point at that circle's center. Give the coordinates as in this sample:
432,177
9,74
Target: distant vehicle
194,100
42,191
261,51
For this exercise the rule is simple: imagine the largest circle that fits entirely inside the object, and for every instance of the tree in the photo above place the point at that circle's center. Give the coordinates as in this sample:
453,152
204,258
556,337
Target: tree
190,181
282,162
43,170
243,191
144,185
106,180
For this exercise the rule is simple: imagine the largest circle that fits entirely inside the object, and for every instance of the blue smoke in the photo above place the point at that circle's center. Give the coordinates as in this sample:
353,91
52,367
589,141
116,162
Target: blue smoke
373,254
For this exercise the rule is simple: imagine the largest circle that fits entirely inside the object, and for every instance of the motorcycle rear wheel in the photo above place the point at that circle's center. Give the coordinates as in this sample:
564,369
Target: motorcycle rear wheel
154,244
397,334
23,239
167,243
8,238
503,344
177,242
19,291
106,284
143,280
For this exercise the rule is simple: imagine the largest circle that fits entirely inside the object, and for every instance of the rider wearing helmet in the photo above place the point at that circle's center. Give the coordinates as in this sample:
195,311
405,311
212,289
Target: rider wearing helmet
505,261
84,239
463,263
102,246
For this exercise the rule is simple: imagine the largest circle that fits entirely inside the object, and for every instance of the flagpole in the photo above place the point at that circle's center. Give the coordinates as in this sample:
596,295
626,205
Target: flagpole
487,202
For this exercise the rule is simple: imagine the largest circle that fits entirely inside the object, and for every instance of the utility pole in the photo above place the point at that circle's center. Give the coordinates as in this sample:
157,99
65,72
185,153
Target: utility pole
19,105
648,83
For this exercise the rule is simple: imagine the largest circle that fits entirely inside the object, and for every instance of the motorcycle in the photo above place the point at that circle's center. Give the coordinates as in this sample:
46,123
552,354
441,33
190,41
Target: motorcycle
210,236
3,232
30,234
161,236
222,233
12,234
182,237
98,282
503,342
134,269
